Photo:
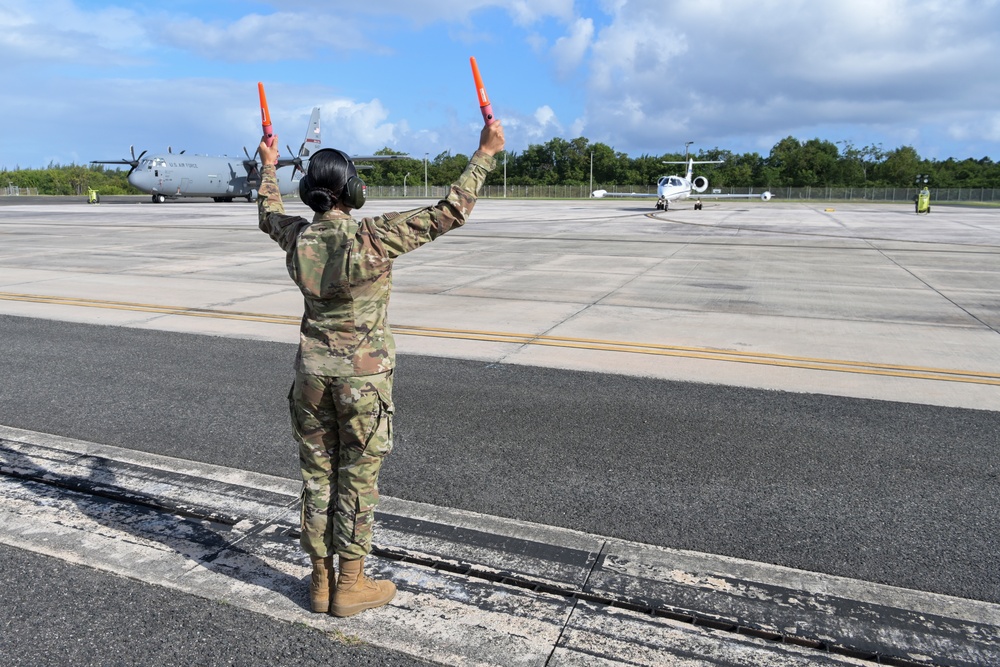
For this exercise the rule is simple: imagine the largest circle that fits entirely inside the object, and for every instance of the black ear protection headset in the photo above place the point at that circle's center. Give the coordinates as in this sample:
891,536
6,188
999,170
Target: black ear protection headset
353,192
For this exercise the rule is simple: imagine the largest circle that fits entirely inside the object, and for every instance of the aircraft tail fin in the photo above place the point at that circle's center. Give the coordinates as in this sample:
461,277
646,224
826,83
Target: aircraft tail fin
314,140
691,162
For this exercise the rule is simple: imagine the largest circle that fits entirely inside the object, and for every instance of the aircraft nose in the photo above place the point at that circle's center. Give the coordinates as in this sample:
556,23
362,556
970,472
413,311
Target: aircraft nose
137,180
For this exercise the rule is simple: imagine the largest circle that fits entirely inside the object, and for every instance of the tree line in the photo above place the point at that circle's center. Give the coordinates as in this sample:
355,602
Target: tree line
791,163
68,180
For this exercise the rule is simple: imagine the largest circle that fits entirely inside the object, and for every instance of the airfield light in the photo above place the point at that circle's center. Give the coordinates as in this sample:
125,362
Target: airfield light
505,174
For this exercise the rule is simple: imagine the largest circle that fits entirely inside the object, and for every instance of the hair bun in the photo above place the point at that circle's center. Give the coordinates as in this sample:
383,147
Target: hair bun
320,199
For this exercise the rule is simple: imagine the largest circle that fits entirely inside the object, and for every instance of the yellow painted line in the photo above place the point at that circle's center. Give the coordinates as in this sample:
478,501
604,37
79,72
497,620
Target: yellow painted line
735,356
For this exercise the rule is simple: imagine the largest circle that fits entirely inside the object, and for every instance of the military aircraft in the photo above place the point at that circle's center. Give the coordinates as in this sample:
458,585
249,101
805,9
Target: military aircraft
172,176
676,188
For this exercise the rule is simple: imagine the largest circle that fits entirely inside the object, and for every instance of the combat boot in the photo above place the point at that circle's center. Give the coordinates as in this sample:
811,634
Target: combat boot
319,584
355,592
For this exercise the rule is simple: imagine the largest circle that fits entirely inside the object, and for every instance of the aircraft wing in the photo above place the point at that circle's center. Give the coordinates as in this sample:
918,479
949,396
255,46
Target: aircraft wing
295,161
765,196
601,194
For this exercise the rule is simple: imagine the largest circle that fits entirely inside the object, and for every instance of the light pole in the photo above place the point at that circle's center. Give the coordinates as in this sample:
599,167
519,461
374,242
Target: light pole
404,182
425,174
686,144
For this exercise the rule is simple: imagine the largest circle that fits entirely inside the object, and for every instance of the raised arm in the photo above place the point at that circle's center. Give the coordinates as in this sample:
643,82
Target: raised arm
407,231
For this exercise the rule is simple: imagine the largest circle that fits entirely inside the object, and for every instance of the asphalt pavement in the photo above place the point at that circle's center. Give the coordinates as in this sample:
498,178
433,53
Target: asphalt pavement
58,613
889,492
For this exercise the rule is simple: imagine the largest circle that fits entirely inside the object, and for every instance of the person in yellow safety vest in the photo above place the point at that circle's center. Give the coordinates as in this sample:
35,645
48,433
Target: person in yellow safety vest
924,201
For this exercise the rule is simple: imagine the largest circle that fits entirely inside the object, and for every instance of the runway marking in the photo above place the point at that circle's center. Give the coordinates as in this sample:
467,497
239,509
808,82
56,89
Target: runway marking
712,354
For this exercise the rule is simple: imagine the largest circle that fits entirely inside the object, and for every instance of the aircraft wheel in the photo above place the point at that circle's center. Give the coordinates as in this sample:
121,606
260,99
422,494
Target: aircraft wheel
159,199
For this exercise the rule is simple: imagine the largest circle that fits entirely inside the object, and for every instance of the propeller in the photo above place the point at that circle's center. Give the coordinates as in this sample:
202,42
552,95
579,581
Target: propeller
251,164
297,159
134,162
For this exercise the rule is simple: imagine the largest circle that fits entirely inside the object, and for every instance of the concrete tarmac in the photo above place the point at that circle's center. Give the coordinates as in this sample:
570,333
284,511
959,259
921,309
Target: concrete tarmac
835,307
861,300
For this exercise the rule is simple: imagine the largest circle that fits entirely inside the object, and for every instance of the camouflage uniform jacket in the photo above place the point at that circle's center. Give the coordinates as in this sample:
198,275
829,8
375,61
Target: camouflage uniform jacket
344,269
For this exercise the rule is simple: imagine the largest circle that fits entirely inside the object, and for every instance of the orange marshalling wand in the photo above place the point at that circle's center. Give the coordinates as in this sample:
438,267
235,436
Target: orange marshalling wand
265,116
484,100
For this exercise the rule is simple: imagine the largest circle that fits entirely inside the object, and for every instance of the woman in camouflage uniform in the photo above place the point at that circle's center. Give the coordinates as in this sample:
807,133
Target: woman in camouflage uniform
341,400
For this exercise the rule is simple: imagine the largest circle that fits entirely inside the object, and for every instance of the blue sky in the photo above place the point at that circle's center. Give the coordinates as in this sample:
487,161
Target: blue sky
84,79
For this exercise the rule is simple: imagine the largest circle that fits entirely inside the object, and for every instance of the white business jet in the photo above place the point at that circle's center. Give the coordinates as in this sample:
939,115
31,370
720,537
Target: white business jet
676,188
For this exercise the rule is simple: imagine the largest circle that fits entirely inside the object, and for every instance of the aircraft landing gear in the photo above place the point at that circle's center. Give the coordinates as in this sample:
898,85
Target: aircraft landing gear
697,206
662,205
158,198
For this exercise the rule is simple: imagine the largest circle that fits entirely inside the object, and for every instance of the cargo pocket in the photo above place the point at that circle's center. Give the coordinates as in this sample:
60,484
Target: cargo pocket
379,442
364,522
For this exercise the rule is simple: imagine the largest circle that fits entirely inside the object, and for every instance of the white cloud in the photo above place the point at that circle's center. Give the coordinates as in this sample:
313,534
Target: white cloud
569,50
985,127
545,116
37,34
640,75
271,37
357,126
523,12
526,12
712,71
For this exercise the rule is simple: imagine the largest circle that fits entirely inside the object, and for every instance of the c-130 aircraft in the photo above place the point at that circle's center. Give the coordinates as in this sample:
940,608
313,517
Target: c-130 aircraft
173,176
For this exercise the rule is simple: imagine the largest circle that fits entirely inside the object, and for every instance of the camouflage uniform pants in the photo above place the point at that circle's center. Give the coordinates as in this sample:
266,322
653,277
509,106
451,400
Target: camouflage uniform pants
344,429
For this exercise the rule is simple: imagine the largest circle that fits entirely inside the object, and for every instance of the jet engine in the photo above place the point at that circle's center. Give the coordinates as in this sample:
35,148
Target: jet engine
766,196
699,184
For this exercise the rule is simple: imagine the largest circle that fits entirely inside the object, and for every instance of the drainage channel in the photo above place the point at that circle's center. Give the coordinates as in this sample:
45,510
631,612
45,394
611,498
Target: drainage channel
715,622
672,613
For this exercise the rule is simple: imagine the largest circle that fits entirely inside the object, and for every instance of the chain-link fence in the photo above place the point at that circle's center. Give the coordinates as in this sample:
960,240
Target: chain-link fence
793,194
16,191
886,194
